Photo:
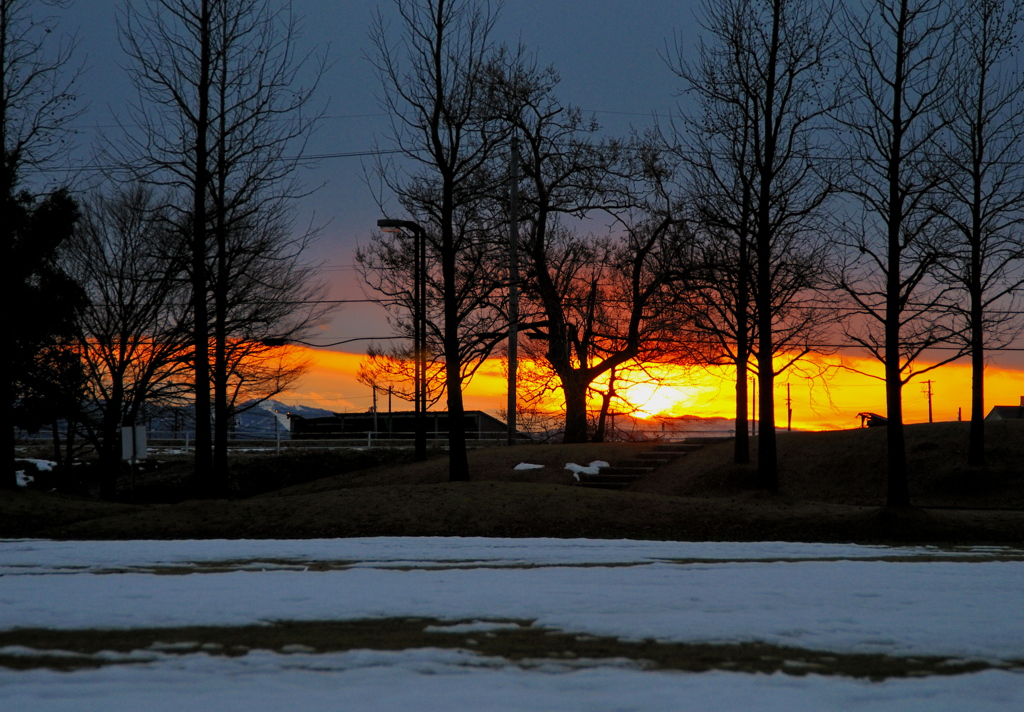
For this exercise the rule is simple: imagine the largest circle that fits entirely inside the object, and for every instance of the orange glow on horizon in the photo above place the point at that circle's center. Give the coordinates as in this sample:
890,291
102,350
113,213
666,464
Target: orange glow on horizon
673,390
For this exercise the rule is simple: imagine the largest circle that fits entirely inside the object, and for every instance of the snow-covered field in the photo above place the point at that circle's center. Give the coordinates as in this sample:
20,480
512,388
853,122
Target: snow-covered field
843,600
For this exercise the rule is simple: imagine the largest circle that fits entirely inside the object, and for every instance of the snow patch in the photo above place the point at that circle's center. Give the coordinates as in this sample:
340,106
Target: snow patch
593,468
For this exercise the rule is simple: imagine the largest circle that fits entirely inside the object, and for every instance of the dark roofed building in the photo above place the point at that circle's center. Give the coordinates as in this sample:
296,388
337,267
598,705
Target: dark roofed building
400,424
1007,412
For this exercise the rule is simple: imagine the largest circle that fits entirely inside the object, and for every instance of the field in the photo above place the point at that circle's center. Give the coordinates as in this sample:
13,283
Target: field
358,580
831,490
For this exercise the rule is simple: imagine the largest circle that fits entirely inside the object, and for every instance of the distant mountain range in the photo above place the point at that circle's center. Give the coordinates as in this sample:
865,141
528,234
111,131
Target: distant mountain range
266,420
269,420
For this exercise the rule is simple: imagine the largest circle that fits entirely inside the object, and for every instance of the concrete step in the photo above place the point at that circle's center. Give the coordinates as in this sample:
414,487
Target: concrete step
625,471
647,462
613,477
607,482
680,448
659,456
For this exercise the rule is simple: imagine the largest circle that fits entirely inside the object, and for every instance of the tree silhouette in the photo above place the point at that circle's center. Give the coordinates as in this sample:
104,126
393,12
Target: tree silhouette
36,111
47,376
898,81
220,122
983,189
435,92
134,338
759,184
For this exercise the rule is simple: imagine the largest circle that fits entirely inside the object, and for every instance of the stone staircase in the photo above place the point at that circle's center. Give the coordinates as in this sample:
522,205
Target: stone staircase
624,473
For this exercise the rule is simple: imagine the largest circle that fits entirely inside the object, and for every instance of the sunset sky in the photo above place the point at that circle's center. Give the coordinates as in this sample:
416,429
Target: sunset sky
609,56
821,405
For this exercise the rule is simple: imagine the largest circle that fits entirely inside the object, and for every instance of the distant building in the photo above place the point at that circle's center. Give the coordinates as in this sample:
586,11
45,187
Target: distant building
401,424
1007,412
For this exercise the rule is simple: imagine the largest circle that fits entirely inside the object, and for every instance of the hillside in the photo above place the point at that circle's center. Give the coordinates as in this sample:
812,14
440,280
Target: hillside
831,489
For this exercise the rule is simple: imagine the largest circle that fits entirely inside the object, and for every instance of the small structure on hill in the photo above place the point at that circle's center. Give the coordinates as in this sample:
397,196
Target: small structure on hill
872,420
1007,412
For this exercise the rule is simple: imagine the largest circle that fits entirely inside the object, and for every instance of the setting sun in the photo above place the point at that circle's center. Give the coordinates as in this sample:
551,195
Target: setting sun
666,390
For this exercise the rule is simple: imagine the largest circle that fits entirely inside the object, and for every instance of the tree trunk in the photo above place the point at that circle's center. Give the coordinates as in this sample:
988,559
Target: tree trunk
458,464
976,446
575,409
221,419
897,491
9,480
110,443
767,458
606,401
741,446
58,453
767,449
201,328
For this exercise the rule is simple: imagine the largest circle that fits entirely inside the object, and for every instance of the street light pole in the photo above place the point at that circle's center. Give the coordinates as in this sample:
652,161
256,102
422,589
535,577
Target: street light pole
419,327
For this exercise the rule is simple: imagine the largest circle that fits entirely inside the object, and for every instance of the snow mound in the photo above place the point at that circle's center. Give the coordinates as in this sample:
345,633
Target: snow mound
527,466
593,468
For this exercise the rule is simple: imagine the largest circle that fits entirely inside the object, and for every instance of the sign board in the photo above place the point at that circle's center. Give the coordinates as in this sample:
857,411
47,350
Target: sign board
133,442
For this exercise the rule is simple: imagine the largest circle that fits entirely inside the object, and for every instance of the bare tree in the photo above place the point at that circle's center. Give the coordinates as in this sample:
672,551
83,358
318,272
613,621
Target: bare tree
432,72
599,304
37,96
721,320
46,381
392,370
134,330
387,267
36,110
170,47
897,77
221,121
761,83
588,301
720,201
258,283
983,188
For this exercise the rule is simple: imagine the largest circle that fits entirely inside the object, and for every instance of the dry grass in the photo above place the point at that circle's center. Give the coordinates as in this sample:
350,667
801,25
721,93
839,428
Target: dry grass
831,489
848,467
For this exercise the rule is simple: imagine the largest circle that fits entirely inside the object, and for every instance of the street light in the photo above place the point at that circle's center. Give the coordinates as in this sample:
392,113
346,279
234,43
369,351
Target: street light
419,326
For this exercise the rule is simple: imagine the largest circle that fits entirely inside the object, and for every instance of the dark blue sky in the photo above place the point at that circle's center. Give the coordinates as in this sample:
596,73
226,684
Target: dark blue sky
607,52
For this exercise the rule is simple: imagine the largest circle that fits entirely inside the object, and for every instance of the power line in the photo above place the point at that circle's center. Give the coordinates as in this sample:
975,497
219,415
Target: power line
306,158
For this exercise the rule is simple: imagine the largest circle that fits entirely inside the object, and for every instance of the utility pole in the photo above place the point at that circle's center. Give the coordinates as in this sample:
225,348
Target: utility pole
375,408
928,392
513,286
